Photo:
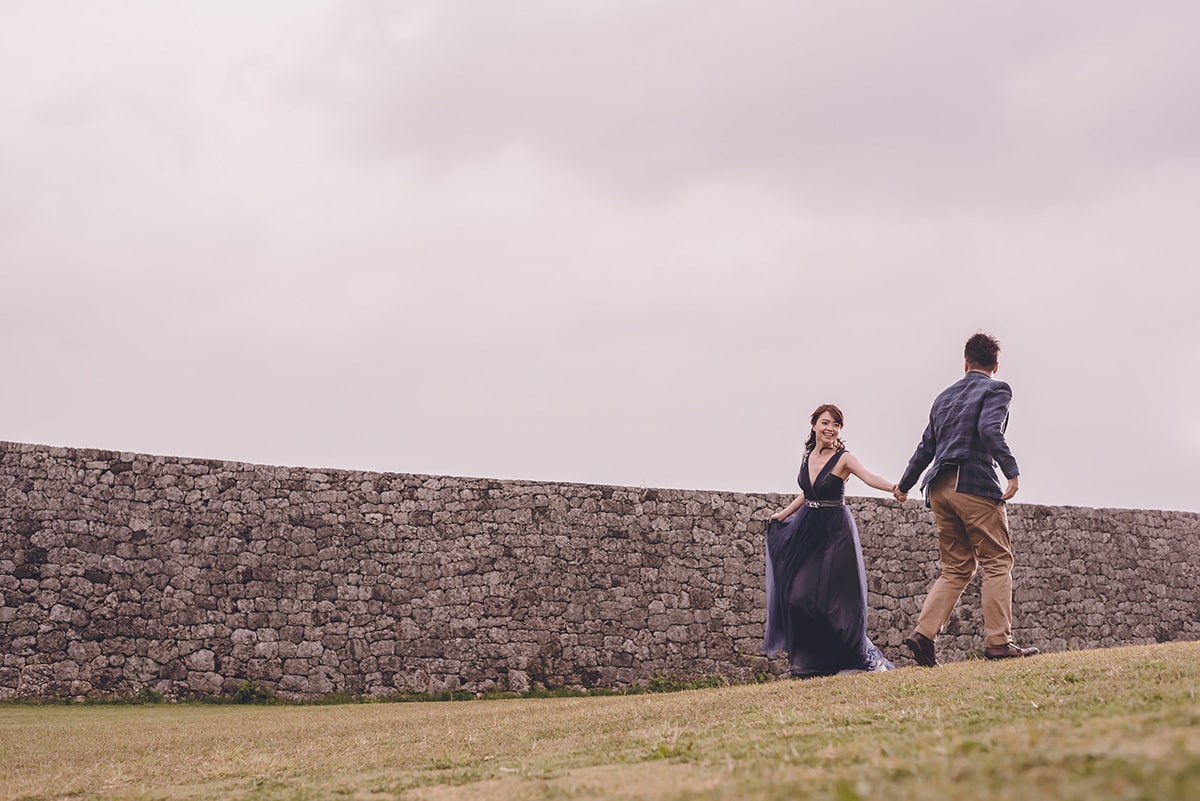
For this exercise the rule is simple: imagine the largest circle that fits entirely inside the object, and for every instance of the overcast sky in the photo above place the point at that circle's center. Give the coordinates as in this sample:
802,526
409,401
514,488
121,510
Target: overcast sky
627,242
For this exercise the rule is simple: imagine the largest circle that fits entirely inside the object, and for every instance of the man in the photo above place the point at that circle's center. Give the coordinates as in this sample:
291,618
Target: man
964,442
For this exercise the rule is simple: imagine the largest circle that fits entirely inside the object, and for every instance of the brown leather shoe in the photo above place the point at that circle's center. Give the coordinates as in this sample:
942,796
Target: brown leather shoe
1010,651
922,649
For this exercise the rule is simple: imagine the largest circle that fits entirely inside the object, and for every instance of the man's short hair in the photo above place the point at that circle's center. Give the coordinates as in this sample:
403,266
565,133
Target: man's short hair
982,350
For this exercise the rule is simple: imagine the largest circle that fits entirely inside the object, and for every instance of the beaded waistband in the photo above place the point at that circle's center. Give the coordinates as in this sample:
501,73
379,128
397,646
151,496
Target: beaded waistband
822,504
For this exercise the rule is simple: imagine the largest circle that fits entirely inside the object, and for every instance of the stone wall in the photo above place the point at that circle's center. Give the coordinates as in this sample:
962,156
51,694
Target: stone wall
122,571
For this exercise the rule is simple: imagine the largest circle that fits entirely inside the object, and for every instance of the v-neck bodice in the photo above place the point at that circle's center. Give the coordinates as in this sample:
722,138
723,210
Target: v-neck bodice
826,486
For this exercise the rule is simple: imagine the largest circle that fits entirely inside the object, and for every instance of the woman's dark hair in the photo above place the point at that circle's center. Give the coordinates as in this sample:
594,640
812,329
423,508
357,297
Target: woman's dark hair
982,350
838,418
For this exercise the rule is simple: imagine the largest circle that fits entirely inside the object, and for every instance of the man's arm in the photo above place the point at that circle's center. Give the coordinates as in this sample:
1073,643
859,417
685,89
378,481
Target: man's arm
993,418
921,458
1014,484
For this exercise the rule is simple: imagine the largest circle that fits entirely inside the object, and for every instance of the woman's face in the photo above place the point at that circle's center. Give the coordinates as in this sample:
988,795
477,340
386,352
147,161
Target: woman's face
827,430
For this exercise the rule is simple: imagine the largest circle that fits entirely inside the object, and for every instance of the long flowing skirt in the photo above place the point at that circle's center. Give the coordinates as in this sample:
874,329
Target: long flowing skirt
817,594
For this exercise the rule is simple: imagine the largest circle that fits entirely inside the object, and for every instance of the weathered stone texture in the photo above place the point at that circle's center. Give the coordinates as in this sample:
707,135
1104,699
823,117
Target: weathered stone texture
122,571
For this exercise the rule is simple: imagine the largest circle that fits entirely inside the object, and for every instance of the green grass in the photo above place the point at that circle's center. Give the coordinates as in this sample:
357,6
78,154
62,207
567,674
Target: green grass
1113,724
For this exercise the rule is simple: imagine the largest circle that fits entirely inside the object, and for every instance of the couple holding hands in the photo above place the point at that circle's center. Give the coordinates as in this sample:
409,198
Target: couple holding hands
816,583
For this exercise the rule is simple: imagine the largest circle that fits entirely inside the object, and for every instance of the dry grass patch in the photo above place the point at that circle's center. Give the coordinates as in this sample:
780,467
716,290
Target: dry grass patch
1122,723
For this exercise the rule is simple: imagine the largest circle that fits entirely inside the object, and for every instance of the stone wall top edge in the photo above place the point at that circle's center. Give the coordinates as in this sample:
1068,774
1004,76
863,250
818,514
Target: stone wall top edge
528,484
98,454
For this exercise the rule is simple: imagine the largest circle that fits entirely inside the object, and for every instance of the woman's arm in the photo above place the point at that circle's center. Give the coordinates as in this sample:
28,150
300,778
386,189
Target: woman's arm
851,465
790,509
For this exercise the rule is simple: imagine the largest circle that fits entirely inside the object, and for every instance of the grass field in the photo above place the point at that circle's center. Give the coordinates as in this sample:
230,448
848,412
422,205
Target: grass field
1113,724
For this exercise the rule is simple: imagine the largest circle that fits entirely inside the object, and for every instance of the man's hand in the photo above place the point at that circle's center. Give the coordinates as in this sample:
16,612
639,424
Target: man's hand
1014,484
898,495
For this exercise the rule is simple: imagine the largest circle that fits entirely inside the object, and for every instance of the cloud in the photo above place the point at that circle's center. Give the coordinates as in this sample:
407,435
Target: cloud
929,104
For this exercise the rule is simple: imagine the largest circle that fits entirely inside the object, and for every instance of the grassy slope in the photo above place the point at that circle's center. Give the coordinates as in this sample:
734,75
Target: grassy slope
1121,723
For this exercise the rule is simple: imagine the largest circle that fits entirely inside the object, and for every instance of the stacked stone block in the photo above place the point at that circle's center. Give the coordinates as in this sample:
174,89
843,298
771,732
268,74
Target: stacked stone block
123,571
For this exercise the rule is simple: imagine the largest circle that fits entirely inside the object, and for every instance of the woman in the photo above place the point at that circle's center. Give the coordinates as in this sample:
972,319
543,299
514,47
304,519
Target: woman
816,586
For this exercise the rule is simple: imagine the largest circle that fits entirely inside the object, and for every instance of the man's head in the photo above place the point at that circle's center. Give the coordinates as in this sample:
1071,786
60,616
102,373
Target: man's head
982,353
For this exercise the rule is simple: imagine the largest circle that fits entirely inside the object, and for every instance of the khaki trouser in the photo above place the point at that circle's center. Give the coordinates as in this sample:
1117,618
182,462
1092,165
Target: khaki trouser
972,531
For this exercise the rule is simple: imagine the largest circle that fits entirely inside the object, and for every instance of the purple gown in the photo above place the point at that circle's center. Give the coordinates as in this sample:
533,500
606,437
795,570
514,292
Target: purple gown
816,585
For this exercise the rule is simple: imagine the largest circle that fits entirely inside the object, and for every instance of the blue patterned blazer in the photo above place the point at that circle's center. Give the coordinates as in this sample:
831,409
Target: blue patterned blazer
966,428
